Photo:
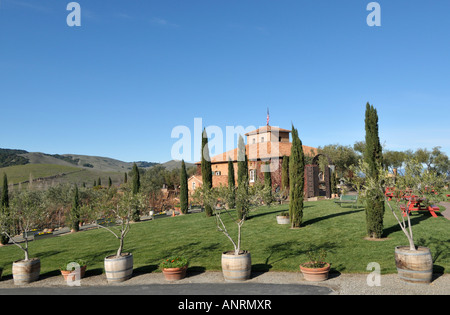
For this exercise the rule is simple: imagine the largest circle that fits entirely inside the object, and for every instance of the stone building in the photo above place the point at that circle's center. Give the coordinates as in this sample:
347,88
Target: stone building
266,144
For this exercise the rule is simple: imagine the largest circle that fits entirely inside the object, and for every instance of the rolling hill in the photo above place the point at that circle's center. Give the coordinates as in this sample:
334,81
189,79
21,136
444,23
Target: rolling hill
43,169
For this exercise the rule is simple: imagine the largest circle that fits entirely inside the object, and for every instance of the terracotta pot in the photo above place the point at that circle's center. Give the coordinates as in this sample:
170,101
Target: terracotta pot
315,274
71,276
174,274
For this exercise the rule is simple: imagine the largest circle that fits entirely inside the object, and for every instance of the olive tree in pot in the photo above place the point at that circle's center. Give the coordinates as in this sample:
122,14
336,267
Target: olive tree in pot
27,211
236,264
118,206
414,263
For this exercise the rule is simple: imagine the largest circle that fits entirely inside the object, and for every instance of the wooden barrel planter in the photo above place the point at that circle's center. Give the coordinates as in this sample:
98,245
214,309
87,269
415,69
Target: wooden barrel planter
26,271
236,268
414,266
283,219
119,269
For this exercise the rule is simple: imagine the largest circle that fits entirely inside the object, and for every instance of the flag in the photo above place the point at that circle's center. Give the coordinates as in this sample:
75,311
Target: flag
267,116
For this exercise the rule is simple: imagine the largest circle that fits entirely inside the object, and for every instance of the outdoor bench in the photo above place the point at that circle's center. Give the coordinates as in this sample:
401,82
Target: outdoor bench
347,199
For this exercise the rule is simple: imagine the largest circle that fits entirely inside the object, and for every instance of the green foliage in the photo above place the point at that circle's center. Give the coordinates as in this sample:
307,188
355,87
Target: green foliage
273,247
184,198
296,180
417,181
136,188
242,204
231,185
75,211
28,210
316,258
4,201
373,156
333,183
206,170
136,179
4,207
174,262
80,262
341,156
285,173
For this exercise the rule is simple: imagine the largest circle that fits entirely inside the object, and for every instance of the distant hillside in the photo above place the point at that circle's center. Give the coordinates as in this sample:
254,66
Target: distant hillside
97,163
173,164
10,157
44,169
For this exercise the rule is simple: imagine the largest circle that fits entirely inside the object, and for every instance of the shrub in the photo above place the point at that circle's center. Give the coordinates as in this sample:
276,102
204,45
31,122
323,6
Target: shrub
174,262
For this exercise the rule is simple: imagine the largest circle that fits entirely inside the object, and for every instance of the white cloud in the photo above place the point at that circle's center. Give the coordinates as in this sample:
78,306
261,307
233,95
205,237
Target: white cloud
163,22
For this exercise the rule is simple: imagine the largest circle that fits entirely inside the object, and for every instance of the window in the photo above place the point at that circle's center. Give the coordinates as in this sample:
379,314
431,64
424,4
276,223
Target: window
193,185
218,173
254,140
262,139
252,176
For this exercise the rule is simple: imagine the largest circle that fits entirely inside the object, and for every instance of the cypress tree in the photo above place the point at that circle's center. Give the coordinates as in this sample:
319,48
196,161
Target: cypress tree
75,211
285,173
99,182
4,206
125,178
183,188
268,185
373,156
5,194
296,180
95,183
242,190
136,186
206,170
268,177
109,182
231,185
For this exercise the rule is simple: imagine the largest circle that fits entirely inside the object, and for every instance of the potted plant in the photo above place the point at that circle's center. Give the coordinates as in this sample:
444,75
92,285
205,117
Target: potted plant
283,218
414,263
73,270
121,206
237,263
27,210
174,268
316,269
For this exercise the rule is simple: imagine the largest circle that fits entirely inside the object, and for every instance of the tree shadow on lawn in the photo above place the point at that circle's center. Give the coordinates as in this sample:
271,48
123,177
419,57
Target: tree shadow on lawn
415,219
288,250
330,216
252,216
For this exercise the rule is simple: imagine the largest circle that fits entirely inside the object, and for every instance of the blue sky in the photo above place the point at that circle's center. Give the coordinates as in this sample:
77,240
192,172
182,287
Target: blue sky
135,69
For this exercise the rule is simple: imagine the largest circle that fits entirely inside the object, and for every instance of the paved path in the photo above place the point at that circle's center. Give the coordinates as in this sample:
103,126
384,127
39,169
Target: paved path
212,283
446,213
195,289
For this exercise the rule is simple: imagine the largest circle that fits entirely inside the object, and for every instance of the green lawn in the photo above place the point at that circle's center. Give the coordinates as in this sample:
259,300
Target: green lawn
273,247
